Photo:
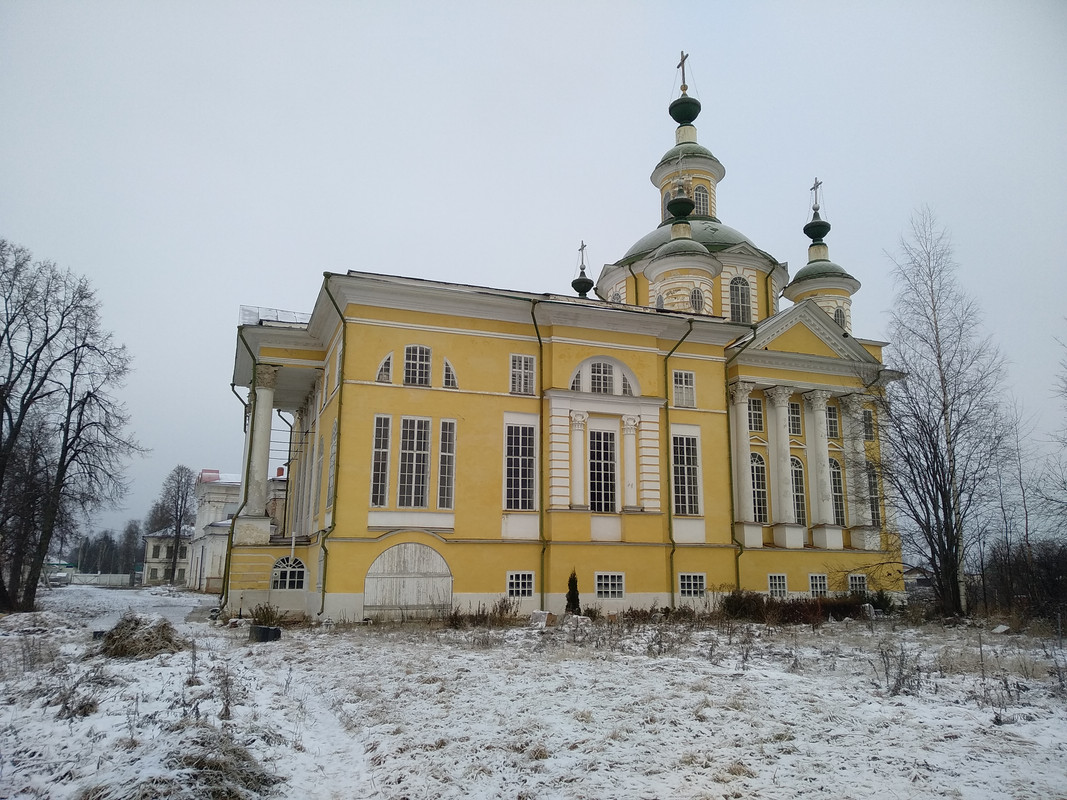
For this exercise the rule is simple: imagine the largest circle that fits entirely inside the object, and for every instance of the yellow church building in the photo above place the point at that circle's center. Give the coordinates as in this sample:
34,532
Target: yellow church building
668,433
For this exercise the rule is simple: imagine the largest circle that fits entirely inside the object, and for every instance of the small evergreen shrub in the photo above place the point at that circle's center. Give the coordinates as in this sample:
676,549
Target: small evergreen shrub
573,600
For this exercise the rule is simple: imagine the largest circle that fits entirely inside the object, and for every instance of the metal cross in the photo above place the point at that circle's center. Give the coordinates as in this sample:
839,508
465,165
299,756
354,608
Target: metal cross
582,251
815,188
682,65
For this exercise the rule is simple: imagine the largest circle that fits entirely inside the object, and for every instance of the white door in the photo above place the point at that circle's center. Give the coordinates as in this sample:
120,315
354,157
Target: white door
408,581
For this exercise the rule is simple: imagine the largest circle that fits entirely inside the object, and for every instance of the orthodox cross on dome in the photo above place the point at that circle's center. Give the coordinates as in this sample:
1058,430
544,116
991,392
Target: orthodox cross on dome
681,65
581,251
815,194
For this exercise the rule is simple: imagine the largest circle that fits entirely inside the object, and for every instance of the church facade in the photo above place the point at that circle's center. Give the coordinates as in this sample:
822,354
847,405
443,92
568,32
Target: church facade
668,433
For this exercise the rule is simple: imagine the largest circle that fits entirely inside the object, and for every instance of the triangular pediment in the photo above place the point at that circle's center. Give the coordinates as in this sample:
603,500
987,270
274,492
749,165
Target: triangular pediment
804,331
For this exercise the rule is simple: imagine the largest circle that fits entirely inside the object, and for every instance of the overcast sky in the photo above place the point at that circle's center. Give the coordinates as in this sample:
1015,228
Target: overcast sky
193,157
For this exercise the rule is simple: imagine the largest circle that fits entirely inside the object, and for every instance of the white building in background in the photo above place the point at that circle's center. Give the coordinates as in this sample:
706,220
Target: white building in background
218,499
159,563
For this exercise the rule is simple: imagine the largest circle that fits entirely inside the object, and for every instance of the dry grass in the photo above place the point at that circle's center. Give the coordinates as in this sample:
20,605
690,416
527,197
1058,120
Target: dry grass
136,636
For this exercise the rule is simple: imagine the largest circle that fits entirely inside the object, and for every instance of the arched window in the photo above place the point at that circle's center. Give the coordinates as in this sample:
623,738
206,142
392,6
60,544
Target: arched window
800,506
333,466
666,199
659,302
605,375
450,377
837,491
416,365
317,497
385,370
288,573
696,300
759,489
839,316
740,301
700,198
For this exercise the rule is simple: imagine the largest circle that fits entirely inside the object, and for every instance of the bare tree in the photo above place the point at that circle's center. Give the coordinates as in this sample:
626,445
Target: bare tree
943,429
58,370
177,504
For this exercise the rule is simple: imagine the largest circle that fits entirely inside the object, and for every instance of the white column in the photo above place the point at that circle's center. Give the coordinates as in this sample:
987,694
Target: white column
629,462
856,461
578,419
819,458
263,408
743,509
781,474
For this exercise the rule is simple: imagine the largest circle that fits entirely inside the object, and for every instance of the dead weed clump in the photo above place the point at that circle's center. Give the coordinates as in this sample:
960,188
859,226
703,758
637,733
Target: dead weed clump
137,636
206,762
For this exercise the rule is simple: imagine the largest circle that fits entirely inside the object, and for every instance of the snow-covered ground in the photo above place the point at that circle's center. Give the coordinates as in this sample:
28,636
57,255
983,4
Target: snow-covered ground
618,711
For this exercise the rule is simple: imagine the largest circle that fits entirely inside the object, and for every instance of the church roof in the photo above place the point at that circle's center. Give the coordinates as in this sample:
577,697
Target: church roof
708,231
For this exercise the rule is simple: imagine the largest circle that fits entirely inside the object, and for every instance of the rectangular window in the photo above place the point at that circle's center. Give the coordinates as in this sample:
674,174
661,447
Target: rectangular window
446,473
153,574
519,467
817,584
795,425
416,365
170,551
414,478
759,490
857,584
522,374
837,492
776,585
868,425
609,584
183,552
181,574
685,395
602,471
872,496
601,377
520,584
691,584
833,429
686,475
155,551
337,369
379,468
755,414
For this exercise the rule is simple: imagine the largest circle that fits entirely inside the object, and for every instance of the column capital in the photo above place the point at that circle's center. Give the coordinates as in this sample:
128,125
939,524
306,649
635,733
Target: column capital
817,398
266,376
852,405
578,419
778,395
630,423
740,391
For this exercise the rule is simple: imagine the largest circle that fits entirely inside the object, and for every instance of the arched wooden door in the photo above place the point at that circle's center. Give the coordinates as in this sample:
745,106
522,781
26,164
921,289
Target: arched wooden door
408,581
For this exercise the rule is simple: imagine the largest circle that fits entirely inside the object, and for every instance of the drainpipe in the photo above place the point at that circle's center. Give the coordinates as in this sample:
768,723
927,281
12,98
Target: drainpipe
540,446
285,506
637,300
225,595
670,477
337,455
730,463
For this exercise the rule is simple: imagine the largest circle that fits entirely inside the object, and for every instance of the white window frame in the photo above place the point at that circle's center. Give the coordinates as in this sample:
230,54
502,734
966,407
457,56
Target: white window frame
685,392
696,300
857,584
413,475
610,585
523,373
818,585
833,423
800,503
379,471
839,317
337,367
740,300
446,465
288,573
755,415
602,377
331,482
520,462
448,379
603,466
418,365
317,495
622,382
385,370
520,584
837,492
685,472
692,584
701,201
777,584
874,496
760,509
796,419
